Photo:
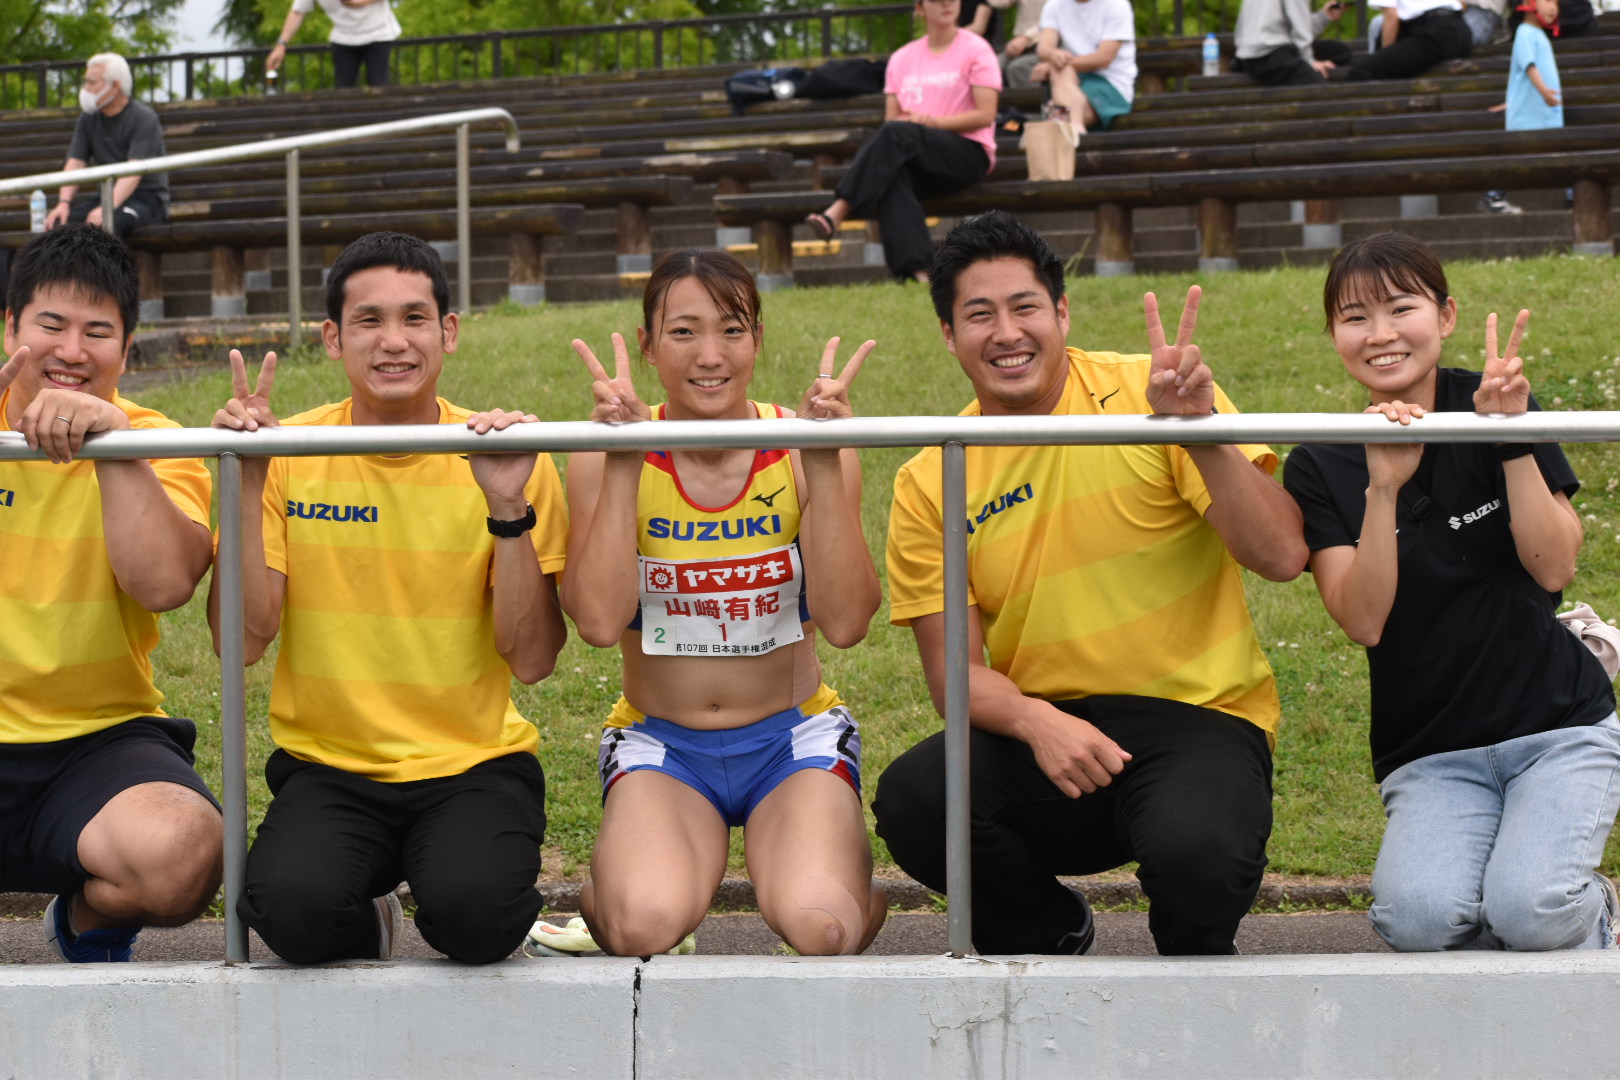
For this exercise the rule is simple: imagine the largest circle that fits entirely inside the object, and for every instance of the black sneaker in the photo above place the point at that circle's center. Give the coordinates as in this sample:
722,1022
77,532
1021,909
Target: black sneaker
1081,942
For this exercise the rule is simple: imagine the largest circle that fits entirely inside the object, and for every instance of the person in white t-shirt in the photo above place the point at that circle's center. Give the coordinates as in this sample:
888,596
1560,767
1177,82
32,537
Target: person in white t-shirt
363,31
1416,35
1089,48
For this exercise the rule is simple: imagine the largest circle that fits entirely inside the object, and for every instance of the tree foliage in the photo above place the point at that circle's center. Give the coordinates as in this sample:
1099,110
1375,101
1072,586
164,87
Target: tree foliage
33,30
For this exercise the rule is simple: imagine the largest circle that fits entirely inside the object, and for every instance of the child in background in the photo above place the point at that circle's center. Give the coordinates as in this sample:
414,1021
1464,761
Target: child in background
1534,95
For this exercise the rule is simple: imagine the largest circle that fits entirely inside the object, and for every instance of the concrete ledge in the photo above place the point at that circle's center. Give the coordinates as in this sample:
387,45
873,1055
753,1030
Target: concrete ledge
1454,1015
1457,1014
398,1019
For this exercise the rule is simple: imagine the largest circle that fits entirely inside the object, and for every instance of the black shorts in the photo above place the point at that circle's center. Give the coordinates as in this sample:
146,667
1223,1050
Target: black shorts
50,791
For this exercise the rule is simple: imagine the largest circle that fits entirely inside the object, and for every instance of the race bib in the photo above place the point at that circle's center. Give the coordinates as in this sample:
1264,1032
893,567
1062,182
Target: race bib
746,605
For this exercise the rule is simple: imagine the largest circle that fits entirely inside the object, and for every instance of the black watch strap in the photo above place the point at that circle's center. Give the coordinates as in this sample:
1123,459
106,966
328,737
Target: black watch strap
507,530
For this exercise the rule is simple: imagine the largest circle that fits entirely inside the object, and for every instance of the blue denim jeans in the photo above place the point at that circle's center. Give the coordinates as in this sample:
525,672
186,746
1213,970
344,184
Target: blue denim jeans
1497,848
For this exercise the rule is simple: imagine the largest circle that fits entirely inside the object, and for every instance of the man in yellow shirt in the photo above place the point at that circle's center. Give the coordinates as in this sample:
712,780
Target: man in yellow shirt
407,591
99,802
1126,712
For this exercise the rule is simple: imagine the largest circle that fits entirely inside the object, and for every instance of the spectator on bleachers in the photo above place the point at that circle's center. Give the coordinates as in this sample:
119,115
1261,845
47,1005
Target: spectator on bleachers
1277,42
1018,56
363,32
113,128
1534,92
1415,36
979,16
1121,707
1484,19
99,802
938,135
1088,48
403,620
1494,737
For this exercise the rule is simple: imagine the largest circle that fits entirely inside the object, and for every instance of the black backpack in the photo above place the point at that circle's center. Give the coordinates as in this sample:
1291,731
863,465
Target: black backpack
773,84
845,79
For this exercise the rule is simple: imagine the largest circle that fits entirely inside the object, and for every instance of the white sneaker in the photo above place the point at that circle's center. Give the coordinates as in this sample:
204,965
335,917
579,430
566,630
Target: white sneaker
1498,204
390,924
572,939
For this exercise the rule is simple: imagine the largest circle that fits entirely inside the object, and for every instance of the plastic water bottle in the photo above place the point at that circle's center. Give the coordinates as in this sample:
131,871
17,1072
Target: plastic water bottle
1212,55
36,211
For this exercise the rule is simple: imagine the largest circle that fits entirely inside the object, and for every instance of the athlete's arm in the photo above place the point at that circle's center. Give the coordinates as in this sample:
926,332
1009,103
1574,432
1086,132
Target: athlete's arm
600,590
263,589
1075,756
1357,582
157,553
529,628
840,581
1256,519
1547,532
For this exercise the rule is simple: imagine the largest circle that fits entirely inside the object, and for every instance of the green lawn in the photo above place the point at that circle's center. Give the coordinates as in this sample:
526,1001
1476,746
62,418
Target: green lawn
1261,332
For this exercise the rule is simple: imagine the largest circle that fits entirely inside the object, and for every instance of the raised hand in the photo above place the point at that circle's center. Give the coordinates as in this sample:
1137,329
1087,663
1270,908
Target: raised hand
248,410
501,476
14,367
1179,382
827,398
1503,387
616,400
1391,465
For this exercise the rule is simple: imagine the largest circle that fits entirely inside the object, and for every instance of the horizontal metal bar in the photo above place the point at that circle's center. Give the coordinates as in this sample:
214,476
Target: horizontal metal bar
268,148
858,432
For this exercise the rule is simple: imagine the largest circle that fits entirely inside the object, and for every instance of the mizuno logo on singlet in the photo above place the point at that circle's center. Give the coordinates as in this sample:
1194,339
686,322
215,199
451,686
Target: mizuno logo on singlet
6,495
770,500
330,512
997,505
660,528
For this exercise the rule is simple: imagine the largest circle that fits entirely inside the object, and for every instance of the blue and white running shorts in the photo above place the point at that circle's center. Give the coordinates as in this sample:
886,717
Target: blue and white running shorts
735,768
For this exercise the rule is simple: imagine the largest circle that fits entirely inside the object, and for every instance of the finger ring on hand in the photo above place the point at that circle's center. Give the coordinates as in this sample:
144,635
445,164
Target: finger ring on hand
823,376
65,420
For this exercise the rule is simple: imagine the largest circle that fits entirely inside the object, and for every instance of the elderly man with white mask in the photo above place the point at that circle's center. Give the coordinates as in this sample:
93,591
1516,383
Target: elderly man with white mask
113,127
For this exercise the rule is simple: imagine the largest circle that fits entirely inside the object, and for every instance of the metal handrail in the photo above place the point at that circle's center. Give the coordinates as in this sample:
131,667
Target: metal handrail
954,433
290,145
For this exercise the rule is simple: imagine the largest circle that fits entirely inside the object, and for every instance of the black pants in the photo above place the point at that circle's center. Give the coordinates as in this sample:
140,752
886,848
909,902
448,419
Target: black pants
1193,807
346,61
331,841
1423,42
139,209
900,165
1285,67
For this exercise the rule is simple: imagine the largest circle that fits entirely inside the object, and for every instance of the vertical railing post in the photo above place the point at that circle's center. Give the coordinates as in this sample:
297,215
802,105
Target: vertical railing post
658,45
958,835
295,257
107,223
191,76
826,32
463,223
232,702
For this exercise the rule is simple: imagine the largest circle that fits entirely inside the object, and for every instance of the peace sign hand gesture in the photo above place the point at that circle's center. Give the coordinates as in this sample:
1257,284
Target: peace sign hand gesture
1179,383
1503,387
827,398
13,367
616,400
248,410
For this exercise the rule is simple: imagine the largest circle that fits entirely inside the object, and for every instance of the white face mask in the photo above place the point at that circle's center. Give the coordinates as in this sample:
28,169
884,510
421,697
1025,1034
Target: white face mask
91,103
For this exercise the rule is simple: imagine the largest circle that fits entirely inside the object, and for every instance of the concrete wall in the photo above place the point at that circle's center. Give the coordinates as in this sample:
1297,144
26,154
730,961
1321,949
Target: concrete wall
1454,1015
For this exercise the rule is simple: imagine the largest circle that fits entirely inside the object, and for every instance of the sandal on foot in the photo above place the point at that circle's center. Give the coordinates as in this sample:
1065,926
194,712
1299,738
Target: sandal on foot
821,225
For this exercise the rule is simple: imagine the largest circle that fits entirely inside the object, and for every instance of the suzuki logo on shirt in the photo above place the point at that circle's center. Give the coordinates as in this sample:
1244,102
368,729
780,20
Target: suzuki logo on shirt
319,511
6,495
662,528
1473,515
1001,503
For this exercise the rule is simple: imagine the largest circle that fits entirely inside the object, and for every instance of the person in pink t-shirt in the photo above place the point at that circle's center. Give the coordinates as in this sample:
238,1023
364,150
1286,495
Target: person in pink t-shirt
938,135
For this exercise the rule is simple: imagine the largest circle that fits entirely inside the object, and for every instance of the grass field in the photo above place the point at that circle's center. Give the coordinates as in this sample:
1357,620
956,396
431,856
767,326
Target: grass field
1261,333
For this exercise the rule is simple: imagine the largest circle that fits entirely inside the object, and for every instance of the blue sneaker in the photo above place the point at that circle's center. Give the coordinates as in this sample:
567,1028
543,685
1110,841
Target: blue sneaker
105,945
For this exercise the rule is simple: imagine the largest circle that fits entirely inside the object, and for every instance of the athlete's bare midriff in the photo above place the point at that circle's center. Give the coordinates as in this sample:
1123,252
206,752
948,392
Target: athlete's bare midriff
719,691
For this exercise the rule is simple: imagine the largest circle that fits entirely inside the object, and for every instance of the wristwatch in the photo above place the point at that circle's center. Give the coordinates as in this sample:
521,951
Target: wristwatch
508,530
